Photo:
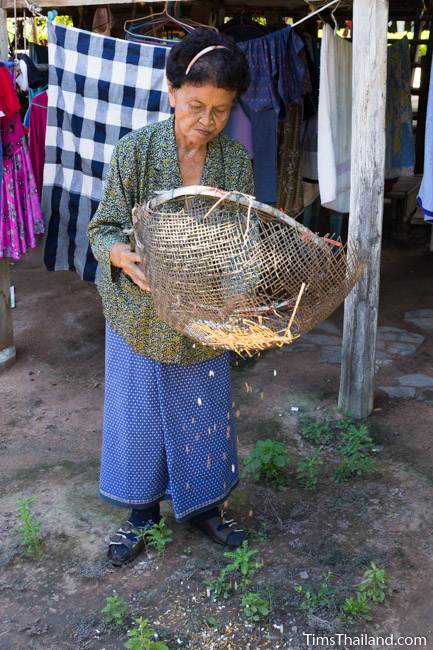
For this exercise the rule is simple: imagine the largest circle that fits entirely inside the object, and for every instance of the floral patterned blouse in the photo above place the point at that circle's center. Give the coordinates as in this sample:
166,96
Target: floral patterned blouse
144,162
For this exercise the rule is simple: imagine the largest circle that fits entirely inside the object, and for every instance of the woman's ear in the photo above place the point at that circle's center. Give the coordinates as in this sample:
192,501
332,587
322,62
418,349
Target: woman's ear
171,94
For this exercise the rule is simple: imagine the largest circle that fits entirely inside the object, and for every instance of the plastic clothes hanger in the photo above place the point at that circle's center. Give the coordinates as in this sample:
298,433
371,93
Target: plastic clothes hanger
163,18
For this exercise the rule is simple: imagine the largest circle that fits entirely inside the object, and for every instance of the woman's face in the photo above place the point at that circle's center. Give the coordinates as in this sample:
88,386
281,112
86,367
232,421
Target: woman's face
201,112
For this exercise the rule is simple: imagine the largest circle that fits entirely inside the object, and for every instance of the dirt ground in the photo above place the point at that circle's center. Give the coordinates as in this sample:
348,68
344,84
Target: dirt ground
50,422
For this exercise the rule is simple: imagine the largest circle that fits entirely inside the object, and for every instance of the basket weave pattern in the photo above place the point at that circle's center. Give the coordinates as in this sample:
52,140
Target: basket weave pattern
236,274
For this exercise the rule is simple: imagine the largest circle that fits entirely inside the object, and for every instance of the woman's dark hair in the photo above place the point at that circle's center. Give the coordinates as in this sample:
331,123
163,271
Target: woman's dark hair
222,68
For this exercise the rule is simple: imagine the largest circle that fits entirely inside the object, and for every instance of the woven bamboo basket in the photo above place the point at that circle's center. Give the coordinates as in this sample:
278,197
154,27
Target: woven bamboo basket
234,273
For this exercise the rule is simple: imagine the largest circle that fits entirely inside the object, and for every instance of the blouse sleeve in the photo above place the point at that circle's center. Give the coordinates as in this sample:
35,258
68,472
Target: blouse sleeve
113,214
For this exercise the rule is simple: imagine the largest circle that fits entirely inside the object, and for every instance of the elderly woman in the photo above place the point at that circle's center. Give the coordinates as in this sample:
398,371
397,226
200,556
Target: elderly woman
168,426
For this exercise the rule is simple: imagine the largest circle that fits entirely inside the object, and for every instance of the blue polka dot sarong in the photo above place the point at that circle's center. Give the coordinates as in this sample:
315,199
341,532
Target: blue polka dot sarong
168,431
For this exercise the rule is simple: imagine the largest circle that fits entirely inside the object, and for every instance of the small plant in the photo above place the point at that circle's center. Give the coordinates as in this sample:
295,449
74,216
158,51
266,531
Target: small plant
356,608
29,529
254,607
375,584
308,469
219,587
313,601
242,562
356,448
260,534
318,432
211,621
115,611
156,536
236,573
267,461
143,637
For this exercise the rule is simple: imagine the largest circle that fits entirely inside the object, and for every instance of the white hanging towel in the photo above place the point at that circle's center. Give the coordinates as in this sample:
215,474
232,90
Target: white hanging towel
335,121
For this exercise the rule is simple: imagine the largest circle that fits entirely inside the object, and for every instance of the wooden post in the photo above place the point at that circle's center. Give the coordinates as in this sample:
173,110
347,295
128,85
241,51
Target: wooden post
7,350
370,22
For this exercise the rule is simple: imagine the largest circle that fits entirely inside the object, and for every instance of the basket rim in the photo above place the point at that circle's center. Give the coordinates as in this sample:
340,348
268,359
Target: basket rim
268,212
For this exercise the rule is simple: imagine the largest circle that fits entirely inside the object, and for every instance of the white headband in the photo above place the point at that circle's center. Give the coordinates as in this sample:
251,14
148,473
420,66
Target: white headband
205,51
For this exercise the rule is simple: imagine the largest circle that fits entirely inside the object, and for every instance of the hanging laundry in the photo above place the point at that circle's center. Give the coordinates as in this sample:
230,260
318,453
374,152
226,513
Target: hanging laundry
425,196
309,130
277,77
20,217
239,128
335,121
290,188
36,78
38,55
309,126
243,28
100,89
102,21
400,141
9,103
38,127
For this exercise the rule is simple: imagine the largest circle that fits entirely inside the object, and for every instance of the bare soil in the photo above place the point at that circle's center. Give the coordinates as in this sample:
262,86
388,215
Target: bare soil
50,422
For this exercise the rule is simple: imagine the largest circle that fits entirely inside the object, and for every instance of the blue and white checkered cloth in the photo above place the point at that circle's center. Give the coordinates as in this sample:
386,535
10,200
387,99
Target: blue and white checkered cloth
100,89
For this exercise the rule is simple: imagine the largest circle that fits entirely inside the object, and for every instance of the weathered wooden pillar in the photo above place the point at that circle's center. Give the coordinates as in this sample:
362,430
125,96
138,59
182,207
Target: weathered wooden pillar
7,350
3,33
370,26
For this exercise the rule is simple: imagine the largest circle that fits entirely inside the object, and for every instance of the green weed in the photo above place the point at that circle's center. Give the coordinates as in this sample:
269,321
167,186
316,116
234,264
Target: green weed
267,461
260,534
374,588
375,584
254,607
355,449
115,611
242,562
236,574
143,637
211,621
355,609
219,587
157,536
29,529
313,601
308,469
318,432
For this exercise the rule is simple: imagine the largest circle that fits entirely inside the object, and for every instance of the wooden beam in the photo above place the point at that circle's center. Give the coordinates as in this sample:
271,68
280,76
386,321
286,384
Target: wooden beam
370,19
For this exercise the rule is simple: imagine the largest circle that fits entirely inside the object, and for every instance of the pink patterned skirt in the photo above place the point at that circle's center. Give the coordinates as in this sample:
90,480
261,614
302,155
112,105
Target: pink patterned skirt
21,218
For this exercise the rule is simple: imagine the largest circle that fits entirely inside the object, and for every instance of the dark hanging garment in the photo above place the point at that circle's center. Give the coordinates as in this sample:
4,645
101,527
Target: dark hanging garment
277,77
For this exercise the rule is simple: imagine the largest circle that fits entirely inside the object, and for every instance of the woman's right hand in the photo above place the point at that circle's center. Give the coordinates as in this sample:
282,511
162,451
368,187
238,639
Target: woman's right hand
124,258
